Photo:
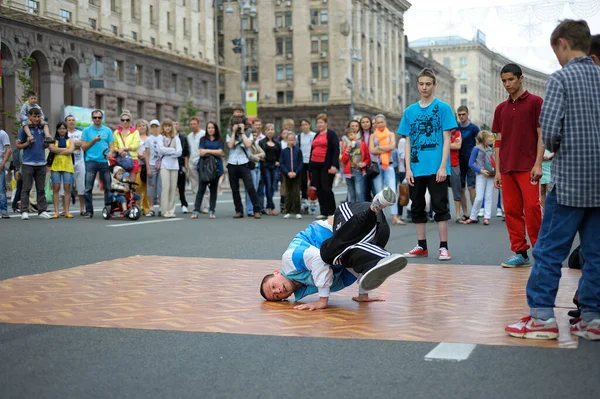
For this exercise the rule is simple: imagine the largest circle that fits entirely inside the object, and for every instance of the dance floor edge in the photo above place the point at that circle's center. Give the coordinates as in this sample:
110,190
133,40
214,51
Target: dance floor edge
431,303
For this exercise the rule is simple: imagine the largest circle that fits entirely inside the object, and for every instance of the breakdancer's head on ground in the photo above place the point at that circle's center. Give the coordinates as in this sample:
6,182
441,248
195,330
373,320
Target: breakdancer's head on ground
353,241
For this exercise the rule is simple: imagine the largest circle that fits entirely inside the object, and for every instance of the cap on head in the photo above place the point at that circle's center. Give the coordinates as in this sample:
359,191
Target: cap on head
118,169
154,122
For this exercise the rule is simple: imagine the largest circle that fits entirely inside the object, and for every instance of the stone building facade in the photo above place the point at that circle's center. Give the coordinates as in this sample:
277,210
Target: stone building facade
150,81
477,72
313,56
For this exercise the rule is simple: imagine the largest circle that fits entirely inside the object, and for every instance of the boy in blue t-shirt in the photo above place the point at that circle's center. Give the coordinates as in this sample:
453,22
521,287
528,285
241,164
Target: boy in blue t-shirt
427,125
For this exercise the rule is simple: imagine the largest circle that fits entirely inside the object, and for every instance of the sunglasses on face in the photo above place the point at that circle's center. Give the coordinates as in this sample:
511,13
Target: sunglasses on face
125,120
96,117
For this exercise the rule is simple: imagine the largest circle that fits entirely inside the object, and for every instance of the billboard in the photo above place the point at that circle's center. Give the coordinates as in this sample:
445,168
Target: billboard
83,116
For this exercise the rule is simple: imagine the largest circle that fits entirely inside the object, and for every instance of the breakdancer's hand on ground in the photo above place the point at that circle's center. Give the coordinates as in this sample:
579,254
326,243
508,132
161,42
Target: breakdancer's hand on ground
320,304
367,298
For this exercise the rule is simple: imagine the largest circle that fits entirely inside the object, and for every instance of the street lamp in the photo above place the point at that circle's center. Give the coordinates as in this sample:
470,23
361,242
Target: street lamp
355,57
246,8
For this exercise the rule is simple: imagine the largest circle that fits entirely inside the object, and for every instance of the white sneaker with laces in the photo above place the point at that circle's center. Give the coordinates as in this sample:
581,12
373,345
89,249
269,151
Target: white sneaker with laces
25,216
286,216
444,254
499,213
298,216
44,215
184,209
385,198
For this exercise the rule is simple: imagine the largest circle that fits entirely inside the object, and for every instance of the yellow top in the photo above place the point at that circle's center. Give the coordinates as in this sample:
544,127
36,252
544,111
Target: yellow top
132,141
63,162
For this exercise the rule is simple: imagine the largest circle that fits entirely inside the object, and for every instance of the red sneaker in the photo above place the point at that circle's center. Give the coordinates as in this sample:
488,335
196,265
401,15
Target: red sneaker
585,330
417,252
532,328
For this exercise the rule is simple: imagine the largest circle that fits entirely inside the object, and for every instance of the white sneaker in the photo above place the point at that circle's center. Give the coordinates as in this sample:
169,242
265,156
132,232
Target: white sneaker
387,197
444,254
480,214
44,215
499,213
25,216
184,209
381,271
286,216
298,216
321,217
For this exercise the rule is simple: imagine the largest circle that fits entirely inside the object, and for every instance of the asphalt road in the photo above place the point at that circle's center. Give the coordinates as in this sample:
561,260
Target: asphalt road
41,361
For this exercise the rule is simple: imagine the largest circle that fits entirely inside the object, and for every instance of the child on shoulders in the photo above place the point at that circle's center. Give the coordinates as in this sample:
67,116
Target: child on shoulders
25,121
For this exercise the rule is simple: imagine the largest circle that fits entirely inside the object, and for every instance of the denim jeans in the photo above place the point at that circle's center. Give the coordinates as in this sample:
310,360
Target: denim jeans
559,226
270,176
356,186
255,173
389,176
91,169
3,201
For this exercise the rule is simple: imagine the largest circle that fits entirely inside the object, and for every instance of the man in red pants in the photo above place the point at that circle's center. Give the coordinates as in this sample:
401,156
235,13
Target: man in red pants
519,154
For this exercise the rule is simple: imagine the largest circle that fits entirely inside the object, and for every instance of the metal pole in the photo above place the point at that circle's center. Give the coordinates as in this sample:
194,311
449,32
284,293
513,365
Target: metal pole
243,62
216,52
352,100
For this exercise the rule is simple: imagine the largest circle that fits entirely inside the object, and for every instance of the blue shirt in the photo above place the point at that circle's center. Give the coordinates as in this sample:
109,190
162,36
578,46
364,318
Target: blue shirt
97,151
468,135
33,154
570,122
207,144
425,128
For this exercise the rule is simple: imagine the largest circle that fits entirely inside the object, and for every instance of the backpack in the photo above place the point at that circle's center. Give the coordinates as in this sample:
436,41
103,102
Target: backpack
489,163
208,169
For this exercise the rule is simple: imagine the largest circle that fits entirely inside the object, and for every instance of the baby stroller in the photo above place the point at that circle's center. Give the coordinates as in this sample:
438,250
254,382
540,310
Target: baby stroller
133,210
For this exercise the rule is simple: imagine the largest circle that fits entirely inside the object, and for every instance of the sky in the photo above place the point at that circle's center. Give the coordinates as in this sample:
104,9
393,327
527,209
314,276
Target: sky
518,29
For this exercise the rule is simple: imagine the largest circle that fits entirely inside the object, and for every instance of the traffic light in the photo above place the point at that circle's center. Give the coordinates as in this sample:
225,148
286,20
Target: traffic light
237,43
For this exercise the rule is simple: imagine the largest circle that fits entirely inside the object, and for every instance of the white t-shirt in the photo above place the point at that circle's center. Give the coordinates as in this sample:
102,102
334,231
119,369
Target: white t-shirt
153,143
76,137
4,141
305,140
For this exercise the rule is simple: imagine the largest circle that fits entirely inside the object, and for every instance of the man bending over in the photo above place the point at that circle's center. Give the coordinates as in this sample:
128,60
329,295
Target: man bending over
334,253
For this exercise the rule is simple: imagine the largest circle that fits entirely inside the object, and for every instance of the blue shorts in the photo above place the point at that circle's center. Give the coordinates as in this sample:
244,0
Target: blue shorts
61,177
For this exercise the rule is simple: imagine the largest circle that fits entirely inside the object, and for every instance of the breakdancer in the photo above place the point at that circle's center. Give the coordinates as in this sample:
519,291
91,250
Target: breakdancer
334,253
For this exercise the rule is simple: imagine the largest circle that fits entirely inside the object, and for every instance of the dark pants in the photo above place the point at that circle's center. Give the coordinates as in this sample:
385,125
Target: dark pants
304,181
17,195
439,199
181,178
237,172
91,169
359,237
31,174
323,182
212,185
292,194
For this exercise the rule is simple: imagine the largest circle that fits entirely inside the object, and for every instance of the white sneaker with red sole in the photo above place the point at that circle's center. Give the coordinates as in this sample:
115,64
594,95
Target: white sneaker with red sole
416,252
532,328
444,254
585,330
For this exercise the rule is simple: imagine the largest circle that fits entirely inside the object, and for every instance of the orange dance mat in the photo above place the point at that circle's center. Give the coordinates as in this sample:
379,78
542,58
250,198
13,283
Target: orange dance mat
432,303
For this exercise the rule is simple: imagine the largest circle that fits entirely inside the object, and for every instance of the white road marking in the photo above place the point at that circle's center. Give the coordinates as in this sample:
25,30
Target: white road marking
451,352
138,223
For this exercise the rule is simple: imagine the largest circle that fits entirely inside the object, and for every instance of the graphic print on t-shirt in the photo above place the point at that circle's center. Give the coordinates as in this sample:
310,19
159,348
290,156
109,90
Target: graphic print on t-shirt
424,133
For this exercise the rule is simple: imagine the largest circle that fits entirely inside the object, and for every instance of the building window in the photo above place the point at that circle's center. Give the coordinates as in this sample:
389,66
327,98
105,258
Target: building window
157,79
113,6
199,31
185,50
319,44
185,27
205,88
92,23
447,62
280,97
324,96
33,7
153,41
463,75
324,14
463,61
249,23
278,122
316,96
114,29
99,101
119,71
463,89
173,83
280,72
139,75
169,25
134,36
320,96
152,20
205,115
220,23
251,46
315,70
65,16
289,97
133,9
463,102
325,70
289,72
284,45
283,19
190,87
170,46
140,109
252,73
176,113
120,105
159,112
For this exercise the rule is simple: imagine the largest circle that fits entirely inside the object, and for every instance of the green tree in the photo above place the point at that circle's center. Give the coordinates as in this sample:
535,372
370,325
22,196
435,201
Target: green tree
24,77
189,110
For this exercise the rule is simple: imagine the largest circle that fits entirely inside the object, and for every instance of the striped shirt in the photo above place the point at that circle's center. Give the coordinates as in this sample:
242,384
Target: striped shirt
570,122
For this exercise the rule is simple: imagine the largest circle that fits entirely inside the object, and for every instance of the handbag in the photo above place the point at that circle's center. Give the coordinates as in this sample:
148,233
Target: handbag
125,162
208,169
50,158
373,170
403,194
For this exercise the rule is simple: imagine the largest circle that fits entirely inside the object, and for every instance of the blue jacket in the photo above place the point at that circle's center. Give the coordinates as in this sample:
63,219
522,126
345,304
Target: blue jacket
285,160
